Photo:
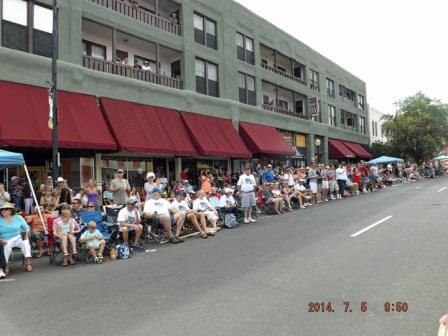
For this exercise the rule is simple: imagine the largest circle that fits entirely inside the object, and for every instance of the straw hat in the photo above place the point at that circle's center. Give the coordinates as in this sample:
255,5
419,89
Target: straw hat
8,206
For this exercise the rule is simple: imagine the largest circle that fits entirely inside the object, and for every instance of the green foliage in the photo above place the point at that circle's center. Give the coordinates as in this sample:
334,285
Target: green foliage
418,130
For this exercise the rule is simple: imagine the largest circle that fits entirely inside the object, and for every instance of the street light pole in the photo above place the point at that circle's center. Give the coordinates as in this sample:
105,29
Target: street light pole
54,93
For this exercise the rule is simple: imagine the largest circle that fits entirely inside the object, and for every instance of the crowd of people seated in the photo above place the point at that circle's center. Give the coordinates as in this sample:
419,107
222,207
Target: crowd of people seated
245,195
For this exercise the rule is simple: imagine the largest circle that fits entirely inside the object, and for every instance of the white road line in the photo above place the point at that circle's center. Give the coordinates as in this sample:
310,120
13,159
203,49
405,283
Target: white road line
7,280
370,227
442,189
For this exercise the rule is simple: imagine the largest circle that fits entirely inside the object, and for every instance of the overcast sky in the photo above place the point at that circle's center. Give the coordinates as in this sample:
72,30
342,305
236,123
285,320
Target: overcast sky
398,47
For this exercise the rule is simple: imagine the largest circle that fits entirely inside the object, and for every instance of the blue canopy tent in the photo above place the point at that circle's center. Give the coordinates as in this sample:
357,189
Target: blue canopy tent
441,157
10,159
385,160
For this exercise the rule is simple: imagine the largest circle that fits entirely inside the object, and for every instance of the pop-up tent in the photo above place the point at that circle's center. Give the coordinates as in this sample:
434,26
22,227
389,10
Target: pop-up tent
385,160
10,159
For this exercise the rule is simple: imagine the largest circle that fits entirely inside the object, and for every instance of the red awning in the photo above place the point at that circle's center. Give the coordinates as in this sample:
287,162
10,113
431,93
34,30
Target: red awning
24,119
358,150
264,140
215,136
147,129
337,150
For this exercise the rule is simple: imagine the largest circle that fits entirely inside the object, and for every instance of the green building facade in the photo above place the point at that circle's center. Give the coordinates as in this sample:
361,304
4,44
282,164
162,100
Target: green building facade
245,68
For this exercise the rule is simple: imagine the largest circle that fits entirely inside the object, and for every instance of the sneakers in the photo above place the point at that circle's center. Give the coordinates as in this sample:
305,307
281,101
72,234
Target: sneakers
252,220
2,274
246,221
326,200
137,248
99,259
302,207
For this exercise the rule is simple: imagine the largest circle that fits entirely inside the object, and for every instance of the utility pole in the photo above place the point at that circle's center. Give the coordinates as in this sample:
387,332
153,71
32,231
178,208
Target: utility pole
54,120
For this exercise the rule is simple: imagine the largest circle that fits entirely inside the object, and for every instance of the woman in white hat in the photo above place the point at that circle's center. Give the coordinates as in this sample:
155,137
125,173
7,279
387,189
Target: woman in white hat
150,185
227,203
14,232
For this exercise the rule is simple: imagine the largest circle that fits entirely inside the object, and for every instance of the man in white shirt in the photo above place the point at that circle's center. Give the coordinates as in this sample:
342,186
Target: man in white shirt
227,203
120,188
246,186
129,220
180,205
158,209
202,204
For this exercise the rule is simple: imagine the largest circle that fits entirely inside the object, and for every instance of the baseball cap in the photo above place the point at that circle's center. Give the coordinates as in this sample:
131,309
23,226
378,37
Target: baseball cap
131,201
120,171
150,175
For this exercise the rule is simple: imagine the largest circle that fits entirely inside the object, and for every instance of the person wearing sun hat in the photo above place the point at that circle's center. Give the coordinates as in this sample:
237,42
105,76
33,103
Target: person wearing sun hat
227,203
14,232
120,188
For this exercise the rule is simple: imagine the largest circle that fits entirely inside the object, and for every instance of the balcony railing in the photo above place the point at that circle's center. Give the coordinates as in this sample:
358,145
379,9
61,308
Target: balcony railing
348,101
283,74
140,15
129,71
315,86
350,128
285,112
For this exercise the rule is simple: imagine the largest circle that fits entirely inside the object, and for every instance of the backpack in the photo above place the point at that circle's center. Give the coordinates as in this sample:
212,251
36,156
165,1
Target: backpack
230,221
123,251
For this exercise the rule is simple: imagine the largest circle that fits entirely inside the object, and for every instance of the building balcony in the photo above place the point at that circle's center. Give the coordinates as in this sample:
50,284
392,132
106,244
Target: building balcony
314,86
165,17
290,113
283,74
130,72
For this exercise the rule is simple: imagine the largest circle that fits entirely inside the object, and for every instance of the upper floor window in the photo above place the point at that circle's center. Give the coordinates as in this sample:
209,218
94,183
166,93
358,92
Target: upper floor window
361,102
245,48
27,26
362,125
94,50
205,31
348,119
207,78
332,115
247,89
314,80
330,88
347,93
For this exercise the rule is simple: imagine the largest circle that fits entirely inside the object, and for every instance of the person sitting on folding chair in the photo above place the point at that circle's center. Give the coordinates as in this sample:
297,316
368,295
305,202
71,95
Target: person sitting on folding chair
202,204
180,205
158,209
65,231
94,241
38,230
14,233
227,203
129,220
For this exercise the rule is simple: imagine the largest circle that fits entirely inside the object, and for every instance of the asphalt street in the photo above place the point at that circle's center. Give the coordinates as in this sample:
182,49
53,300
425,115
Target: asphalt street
259,278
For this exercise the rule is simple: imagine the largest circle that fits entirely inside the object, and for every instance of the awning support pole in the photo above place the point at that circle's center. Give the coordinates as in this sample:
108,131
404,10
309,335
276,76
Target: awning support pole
35,199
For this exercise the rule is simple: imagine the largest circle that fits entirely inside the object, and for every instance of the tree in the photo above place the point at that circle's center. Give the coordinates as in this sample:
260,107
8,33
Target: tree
419,128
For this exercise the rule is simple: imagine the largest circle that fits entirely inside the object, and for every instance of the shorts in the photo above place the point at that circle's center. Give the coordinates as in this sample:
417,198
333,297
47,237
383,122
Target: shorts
210,215
248,200
37,235
94,243
325,185
333,186
313,187
373,179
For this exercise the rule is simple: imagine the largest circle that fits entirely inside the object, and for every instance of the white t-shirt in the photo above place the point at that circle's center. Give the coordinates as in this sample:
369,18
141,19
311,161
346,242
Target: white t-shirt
276,193
161,206
374,170
225,201
341,174
128,216
202,204
247,183
299,187
181,206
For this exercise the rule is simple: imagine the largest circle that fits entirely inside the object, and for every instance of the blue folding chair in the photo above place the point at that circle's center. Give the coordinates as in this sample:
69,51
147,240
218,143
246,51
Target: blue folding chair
109,231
